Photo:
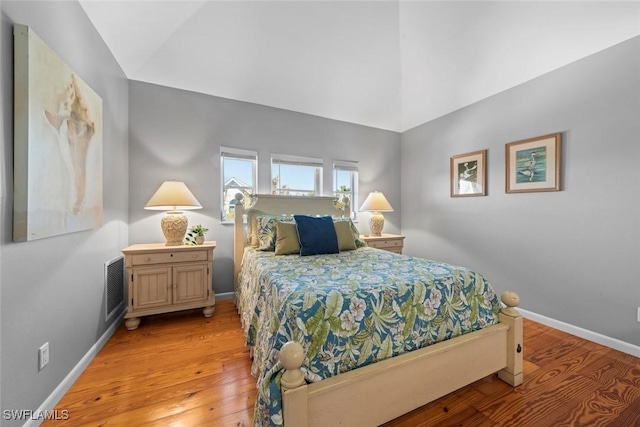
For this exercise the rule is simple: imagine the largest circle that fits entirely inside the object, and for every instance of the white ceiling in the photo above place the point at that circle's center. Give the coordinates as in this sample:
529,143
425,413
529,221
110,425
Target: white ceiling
386,64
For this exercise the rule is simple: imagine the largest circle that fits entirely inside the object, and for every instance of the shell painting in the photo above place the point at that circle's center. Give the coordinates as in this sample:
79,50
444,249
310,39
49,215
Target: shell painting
57,146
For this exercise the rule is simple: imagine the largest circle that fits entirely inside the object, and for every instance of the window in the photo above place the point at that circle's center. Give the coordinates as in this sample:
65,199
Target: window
239,171
296,176
345,184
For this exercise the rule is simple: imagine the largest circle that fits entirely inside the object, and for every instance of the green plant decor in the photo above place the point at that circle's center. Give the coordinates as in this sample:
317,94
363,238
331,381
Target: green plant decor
194,231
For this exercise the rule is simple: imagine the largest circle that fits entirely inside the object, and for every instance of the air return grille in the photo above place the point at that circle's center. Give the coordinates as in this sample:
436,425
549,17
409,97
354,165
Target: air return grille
113,286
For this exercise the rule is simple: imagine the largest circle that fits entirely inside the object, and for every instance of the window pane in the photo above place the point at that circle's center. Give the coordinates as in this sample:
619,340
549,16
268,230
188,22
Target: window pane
238,176
295,178
240,169
343,180
345,185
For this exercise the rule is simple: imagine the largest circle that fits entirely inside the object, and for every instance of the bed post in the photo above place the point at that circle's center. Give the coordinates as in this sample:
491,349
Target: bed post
238,240
293,386
512,374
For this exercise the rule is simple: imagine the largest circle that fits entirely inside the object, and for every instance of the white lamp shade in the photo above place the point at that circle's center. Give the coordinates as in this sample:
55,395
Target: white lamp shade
173,196
376,202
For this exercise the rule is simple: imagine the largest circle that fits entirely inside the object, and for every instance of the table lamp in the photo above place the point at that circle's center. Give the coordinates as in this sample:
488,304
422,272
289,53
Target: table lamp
173,197
376,203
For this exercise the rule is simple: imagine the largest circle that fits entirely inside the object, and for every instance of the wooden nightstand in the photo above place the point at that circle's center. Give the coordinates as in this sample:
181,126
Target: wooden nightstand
388,242
162,279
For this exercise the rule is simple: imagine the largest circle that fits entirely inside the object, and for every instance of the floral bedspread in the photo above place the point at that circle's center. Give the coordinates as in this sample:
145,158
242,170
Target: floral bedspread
351,309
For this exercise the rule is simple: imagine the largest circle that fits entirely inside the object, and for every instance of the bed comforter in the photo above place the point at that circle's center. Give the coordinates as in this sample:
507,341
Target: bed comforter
351,309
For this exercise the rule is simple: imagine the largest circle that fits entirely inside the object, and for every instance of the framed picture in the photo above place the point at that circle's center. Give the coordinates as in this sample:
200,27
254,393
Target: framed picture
469,174
57,144
534,164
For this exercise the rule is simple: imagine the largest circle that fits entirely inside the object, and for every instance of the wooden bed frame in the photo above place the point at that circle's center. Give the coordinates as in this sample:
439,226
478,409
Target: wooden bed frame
380,392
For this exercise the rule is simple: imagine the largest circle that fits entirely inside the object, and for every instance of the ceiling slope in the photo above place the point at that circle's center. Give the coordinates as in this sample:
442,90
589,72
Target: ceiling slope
386,64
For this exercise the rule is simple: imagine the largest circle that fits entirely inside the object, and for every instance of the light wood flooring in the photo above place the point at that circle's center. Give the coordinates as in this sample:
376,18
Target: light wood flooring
185,370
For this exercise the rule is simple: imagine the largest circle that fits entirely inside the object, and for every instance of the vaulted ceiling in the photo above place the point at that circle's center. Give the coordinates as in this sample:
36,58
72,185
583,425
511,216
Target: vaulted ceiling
386,64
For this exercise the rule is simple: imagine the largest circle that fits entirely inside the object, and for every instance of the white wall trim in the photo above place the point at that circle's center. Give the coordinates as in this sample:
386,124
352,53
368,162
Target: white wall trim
66,384
595,337
68,381
224,296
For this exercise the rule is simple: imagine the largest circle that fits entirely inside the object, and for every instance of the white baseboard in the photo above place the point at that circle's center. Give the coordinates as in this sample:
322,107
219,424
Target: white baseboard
68,381
64,386
595,337
224,296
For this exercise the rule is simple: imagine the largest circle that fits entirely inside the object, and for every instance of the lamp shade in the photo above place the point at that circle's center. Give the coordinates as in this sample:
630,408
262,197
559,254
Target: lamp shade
173,196
376,202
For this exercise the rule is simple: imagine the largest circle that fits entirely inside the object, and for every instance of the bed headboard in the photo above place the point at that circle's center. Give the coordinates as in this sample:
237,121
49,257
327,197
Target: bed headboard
274,205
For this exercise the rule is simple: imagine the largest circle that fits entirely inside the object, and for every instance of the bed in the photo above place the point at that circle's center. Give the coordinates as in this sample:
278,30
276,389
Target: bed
360,336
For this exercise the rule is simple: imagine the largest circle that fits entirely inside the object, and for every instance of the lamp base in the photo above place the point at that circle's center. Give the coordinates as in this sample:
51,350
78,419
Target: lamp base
376,223
174,227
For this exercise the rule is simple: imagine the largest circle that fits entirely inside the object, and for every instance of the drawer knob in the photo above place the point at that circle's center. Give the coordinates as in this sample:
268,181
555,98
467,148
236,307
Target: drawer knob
147,259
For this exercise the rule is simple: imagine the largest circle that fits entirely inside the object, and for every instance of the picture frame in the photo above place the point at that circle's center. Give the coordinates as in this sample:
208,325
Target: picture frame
534,164
57,150
469,174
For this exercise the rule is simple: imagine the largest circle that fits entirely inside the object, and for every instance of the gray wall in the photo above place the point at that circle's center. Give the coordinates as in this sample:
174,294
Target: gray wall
52,289
175,134
571,255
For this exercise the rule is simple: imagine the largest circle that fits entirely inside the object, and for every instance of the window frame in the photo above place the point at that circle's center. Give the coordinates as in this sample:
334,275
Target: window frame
237,154
352,167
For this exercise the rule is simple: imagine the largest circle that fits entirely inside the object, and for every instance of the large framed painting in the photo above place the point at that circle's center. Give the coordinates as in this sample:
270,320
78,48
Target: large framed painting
57,144
534,164
469,174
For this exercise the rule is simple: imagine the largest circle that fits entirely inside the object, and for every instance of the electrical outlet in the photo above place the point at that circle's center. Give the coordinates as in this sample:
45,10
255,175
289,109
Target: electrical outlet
638,314
43,356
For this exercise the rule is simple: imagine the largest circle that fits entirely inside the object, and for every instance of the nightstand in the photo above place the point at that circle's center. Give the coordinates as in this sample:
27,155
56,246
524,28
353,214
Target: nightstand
162,279
388,242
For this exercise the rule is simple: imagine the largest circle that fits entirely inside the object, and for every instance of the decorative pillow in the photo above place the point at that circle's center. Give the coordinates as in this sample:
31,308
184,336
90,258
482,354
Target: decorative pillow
356,235
317,235
252,227
346,242
287,238
267,231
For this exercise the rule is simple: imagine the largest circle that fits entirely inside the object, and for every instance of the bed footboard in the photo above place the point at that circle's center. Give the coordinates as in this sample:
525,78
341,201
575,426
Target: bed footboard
512,373
380,392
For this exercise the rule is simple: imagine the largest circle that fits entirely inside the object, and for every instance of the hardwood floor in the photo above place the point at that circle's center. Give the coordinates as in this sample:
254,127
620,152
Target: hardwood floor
185,370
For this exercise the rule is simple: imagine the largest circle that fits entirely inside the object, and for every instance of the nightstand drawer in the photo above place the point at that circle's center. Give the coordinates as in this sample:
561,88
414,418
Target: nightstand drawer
165,257
386,244
396,249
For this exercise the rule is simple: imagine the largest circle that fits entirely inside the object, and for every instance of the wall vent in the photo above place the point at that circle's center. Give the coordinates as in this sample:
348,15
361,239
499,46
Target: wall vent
113,286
